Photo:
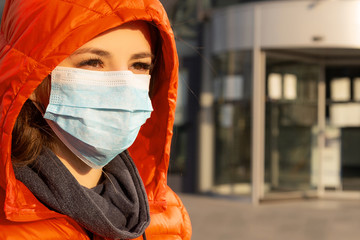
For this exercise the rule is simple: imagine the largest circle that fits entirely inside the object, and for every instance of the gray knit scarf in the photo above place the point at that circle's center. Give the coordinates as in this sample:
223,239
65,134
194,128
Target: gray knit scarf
117,208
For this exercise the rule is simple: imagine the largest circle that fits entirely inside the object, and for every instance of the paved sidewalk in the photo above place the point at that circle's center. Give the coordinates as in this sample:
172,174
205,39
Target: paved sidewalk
225,219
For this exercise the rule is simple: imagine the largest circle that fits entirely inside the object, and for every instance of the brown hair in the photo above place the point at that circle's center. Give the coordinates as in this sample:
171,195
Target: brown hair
31,133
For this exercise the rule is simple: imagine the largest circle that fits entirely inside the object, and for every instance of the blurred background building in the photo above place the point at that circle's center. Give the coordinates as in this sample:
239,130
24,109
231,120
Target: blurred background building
269,98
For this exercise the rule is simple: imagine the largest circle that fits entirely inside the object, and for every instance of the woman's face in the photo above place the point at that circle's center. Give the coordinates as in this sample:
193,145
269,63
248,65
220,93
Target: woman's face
126,47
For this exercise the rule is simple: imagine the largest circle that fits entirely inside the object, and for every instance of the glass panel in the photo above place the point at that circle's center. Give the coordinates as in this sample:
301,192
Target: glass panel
350,161
291,119
343,114
179,149
232,88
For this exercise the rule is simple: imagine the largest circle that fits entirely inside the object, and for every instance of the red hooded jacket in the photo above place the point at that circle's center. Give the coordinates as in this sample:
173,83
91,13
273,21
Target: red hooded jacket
28,55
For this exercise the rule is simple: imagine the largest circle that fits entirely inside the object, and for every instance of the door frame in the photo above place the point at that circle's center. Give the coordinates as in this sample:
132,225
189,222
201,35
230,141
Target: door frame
322,61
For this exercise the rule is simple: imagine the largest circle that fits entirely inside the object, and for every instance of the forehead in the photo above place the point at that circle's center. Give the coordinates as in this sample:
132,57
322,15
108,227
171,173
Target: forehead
129,36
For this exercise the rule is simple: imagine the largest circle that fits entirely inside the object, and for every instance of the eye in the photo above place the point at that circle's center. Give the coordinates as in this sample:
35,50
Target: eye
91,63
140,67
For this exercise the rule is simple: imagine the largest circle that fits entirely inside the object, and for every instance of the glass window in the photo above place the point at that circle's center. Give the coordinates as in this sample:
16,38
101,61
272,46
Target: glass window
232,90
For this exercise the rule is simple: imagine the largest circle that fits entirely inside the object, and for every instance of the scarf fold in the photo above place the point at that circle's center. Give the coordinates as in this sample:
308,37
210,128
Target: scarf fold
117,208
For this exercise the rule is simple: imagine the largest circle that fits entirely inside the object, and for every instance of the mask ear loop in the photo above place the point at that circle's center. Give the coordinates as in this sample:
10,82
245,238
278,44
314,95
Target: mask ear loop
38,107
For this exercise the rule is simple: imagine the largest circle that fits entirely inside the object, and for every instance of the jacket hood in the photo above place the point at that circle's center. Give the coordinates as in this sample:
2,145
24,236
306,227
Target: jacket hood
28,55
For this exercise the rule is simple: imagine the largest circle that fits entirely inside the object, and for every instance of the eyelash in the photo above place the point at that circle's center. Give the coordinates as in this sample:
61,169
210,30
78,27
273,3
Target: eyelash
92,62
97,62
141,66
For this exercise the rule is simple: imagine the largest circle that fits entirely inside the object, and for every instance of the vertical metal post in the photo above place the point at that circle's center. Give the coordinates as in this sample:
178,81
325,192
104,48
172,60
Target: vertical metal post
206,121
258,113
321,130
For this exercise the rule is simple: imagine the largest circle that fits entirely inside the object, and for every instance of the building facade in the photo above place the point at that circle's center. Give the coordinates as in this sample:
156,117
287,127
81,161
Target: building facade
269,98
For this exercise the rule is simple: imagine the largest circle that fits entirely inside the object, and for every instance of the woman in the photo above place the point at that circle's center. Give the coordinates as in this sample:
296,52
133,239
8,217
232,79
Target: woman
61,175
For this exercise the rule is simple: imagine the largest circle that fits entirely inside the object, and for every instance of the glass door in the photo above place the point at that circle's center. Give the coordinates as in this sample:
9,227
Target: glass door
343,118
291,126
312,124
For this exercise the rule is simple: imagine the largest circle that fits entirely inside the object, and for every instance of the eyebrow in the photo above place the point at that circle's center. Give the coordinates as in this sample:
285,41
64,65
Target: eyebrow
95,51
142,55
104,53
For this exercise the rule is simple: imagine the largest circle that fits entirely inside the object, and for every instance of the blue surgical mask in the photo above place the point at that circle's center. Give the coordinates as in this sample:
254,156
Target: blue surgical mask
96,114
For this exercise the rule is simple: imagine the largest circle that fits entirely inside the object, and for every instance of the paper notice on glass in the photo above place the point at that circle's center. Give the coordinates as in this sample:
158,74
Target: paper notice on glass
340,89
274,86
290,86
